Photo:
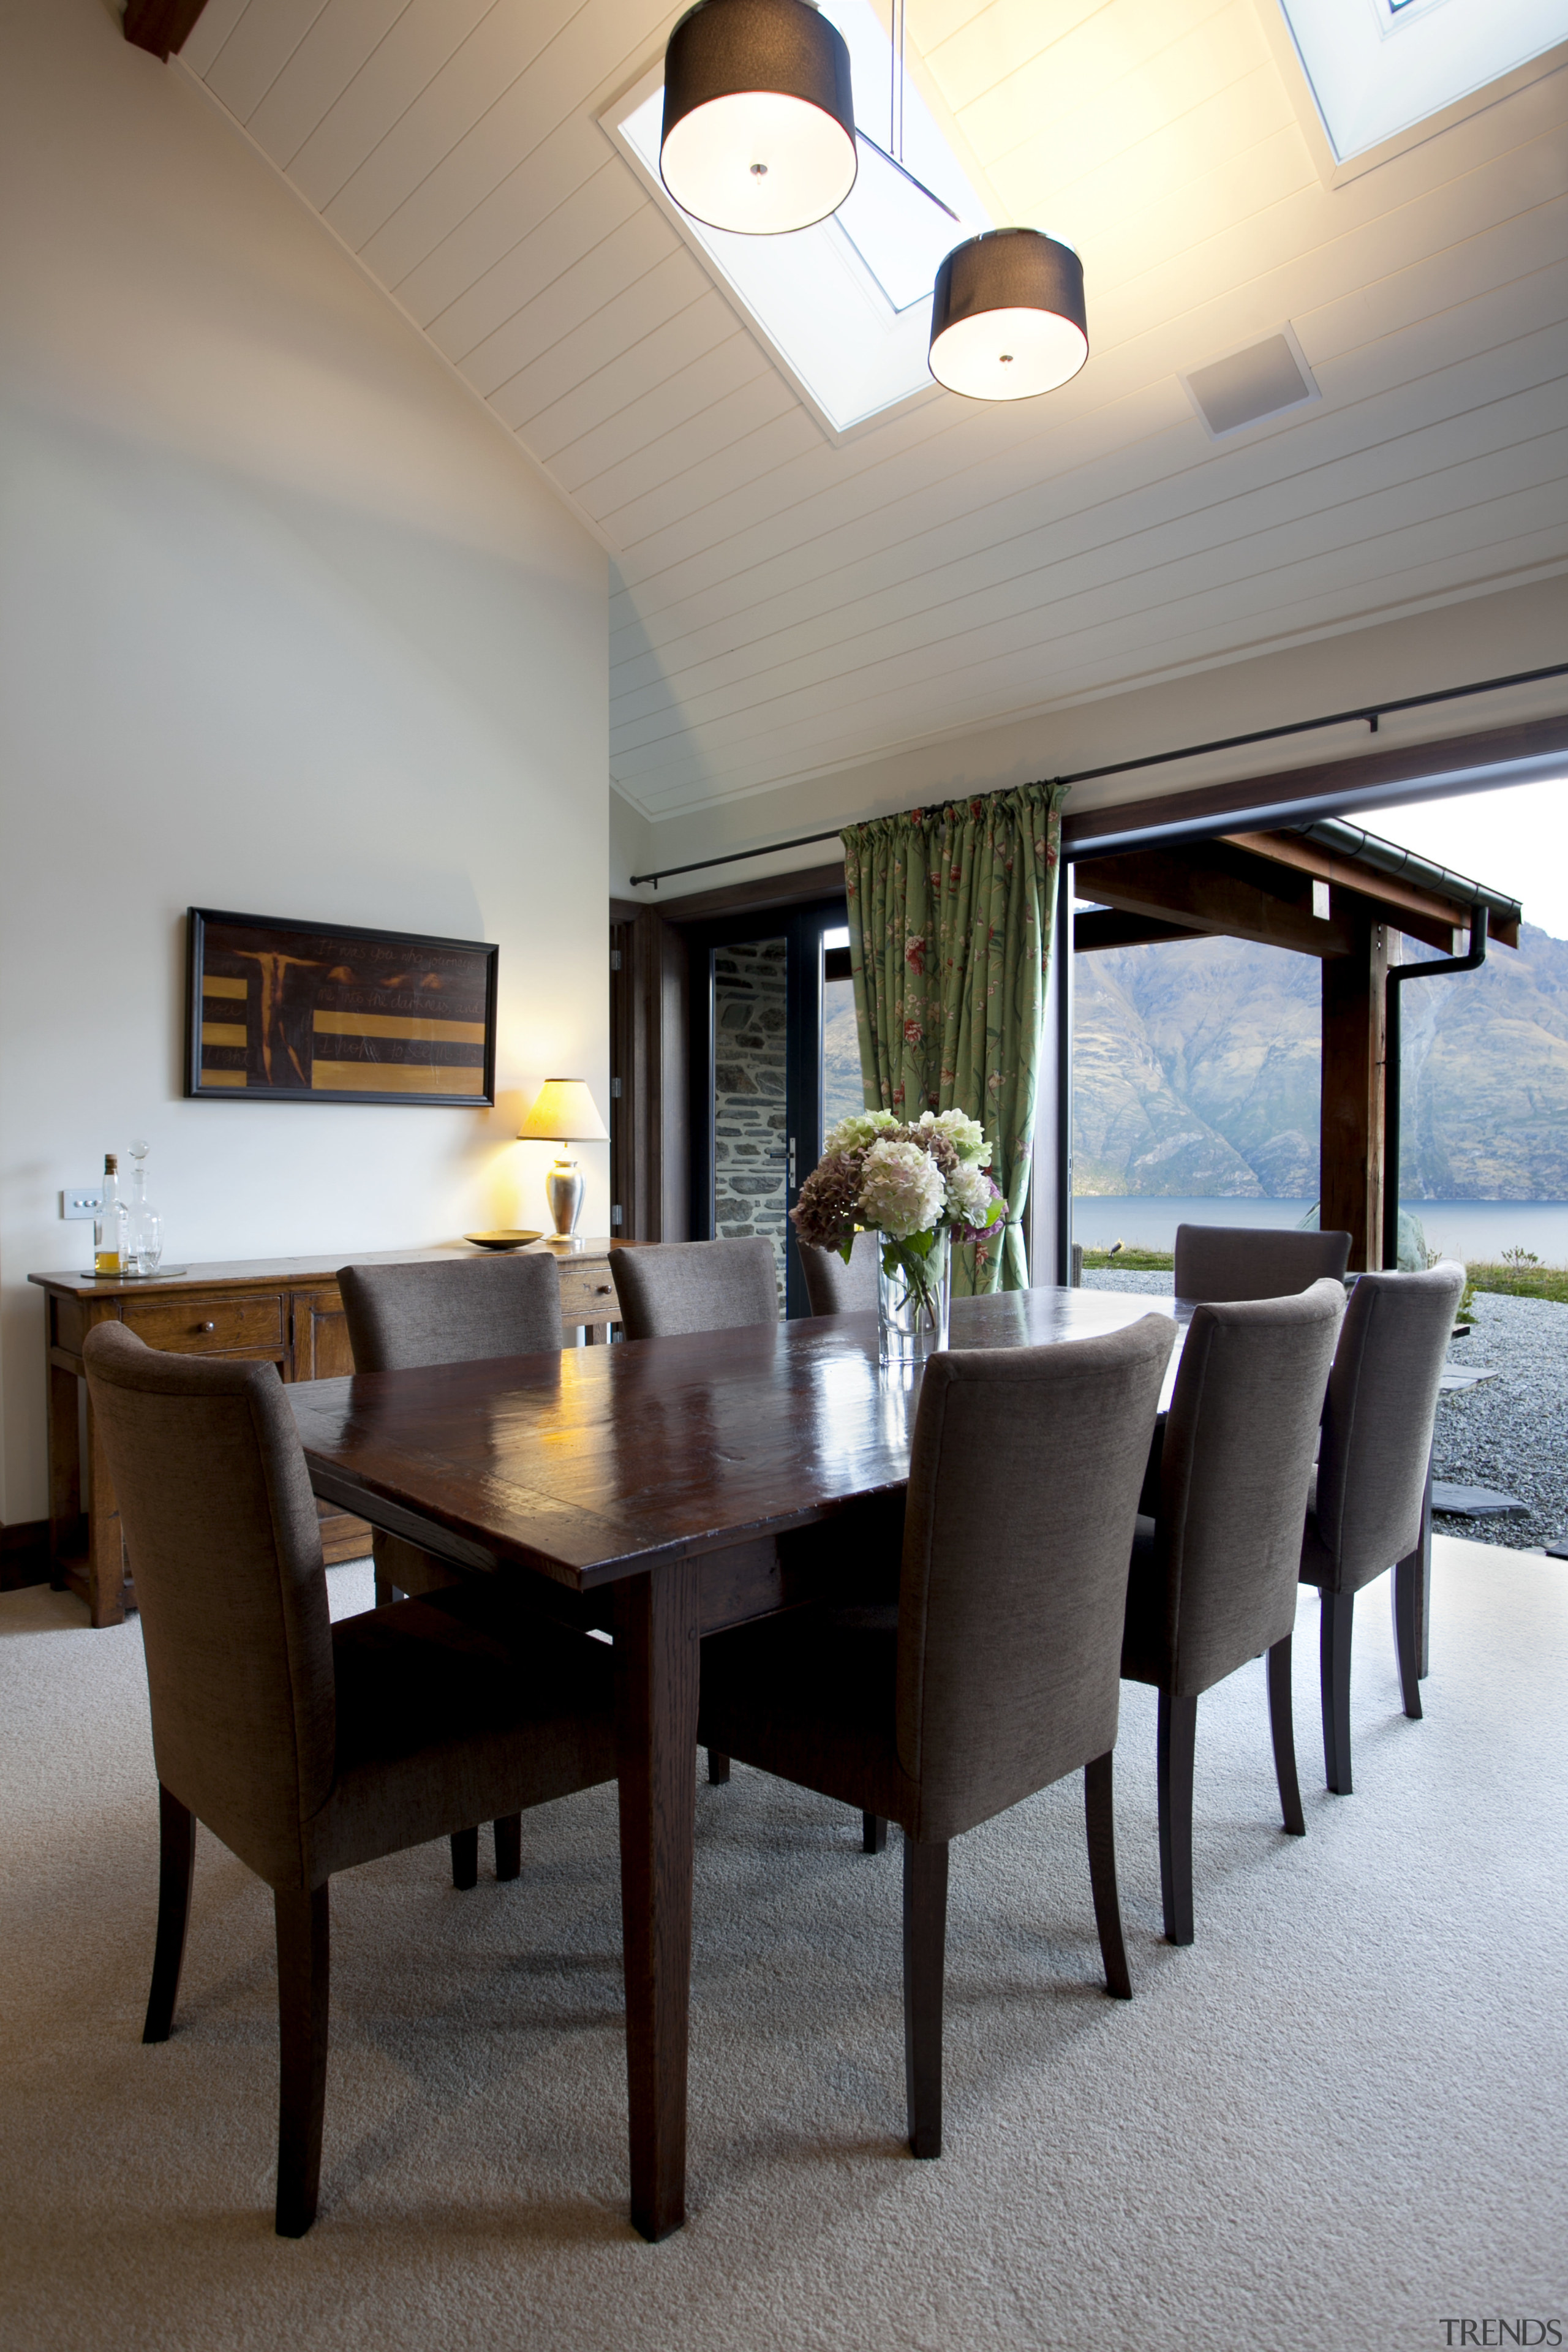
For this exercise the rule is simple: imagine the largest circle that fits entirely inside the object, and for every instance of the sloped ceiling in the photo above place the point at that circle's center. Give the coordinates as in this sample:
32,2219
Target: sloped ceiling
784,606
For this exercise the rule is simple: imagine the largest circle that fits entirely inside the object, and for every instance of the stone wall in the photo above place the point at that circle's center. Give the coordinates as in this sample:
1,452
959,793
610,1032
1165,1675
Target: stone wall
751,1019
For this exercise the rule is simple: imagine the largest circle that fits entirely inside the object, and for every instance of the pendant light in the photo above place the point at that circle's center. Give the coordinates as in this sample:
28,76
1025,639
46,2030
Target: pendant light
1007,319
759,124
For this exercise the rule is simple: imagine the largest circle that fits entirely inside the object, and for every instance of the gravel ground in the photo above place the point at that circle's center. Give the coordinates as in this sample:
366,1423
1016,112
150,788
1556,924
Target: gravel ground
1510,1434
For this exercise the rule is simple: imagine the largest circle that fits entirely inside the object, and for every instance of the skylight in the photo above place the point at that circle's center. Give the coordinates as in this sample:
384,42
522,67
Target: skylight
845,305
1377,67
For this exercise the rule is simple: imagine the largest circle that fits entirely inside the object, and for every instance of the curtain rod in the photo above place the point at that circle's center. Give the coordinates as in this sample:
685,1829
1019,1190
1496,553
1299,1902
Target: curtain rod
1371,713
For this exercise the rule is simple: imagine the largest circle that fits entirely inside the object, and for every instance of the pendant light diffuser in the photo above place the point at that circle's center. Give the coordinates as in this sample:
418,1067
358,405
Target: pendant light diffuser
759,124
1008,317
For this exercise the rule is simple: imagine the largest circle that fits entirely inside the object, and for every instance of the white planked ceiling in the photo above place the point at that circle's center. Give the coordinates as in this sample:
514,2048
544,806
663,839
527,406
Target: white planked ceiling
784,606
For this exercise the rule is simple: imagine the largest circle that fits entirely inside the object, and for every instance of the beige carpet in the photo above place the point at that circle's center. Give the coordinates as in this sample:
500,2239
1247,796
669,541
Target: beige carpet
1337,2121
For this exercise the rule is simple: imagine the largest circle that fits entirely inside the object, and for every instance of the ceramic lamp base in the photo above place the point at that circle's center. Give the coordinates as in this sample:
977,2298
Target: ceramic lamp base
564,1191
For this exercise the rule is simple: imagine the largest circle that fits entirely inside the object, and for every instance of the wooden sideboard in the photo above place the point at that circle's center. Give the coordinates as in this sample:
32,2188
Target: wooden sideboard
285,1311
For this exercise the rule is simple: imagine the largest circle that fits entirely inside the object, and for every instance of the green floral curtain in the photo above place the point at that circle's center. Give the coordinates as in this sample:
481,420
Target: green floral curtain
950,935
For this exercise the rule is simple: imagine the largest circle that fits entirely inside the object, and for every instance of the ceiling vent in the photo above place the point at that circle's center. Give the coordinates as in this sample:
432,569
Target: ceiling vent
1262,381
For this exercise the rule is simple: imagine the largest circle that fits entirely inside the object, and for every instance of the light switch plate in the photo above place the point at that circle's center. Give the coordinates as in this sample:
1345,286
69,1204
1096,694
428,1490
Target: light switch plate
84,1201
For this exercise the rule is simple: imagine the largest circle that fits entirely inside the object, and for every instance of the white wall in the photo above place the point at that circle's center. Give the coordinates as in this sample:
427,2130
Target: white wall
286,626
1486,637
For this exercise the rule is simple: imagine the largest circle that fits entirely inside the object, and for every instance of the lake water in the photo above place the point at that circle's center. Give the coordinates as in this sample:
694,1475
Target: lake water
1462,1229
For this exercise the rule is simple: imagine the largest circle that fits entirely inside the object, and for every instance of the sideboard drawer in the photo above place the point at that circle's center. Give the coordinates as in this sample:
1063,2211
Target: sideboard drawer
192,1325
587,1294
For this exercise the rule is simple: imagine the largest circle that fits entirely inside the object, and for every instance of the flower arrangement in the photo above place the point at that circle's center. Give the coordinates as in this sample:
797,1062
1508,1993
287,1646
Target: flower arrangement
910,1183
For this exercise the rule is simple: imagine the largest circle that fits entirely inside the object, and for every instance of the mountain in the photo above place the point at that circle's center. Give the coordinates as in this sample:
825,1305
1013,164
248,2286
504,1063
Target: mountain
1196,1069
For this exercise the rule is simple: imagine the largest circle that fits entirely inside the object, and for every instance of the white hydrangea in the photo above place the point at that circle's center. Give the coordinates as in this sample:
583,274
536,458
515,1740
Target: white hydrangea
970,1193
901,1190
966,1135
861,1127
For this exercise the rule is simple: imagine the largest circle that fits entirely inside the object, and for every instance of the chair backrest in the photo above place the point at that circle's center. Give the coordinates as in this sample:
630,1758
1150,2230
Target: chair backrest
1377,1430
835,1288
1234,1472
1023,1490
456,1310
675,1286
226,1549
1221,1262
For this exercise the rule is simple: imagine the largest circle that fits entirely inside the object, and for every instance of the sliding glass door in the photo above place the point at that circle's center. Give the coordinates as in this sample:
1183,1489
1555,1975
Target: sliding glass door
774,1061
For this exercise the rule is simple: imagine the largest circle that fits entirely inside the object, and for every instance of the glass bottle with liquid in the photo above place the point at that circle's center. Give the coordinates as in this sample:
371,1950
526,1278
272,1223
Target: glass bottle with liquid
144,1225
108,1222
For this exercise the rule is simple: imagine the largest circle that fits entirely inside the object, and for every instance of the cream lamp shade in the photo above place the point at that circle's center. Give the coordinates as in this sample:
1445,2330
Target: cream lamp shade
564,1112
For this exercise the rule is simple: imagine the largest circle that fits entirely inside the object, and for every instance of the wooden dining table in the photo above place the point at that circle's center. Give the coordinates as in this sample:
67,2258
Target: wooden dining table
662,1490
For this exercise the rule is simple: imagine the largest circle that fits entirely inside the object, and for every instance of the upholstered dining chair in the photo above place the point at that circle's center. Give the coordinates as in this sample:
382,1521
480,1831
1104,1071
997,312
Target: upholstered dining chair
1213,1579
1369,1493
443,1311
674,1287
306,1747
1223,1263
1000,1674
834,1288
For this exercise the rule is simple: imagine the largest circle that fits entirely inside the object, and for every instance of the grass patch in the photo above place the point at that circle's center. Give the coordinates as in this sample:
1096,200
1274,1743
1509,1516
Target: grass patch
1132,1261
1516,1281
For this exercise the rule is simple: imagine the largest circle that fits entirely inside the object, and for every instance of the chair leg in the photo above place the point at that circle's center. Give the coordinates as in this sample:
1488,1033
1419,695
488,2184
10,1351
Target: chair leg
465,1859
1334,1662
1100,1820
509,1847
873,1833
304,1943
1175,1743
1406,1589
176,1867
925,1964
1284,1731
718,1769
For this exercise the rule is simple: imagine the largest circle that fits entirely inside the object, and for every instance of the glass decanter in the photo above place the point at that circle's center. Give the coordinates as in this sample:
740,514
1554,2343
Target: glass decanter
144,1225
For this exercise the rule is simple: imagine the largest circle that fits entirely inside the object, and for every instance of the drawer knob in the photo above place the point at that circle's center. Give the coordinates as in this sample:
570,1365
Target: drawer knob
603,1290
210,1327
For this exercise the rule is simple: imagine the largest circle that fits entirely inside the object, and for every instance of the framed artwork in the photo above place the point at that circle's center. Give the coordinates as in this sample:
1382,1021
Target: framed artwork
280,1012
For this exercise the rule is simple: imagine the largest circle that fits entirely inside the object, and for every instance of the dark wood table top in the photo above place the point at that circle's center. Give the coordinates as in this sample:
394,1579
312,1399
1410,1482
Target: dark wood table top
591,1466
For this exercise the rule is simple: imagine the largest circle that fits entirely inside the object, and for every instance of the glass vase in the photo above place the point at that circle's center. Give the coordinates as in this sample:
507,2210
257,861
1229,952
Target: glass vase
913,1287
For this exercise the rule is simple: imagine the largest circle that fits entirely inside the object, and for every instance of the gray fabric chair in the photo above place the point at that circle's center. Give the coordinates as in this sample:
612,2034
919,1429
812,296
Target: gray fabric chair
1369,1495
835,1288
443,1311
306,1747
1000,1672
1213,1579
1225,1263
673,1287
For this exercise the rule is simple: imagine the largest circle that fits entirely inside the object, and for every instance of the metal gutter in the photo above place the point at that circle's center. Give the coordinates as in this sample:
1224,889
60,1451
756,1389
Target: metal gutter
1343,840
1397,976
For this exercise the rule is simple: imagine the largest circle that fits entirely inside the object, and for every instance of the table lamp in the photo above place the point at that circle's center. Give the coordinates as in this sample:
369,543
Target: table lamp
563,1114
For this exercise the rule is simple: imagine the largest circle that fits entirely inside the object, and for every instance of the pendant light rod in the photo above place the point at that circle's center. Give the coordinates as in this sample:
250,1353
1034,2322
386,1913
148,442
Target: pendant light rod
896,25
904,171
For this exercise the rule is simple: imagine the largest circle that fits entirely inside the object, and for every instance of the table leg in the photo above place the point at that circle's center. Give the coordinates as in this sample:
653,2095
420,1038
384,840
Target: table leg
65,1471
658,1625
106,1552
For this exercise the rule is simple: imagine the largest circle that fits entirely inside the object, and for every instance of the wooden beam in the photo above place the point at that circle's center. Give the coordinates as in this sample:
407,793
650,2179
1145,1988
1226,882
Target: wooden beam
754,897
1351,1132
1422,914
159,25
1464,763
1106,927
1211,886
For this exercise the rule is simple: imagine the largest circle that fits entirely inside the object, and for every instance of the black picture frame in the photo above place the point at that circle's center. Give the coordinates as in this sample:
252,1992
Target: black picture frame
282,990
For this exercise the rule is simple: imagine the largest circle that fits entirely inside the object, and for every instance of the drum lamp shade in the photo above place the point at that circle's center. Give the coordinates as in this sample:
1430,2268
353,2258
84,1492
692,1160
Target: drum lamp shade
759,123
1007,315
